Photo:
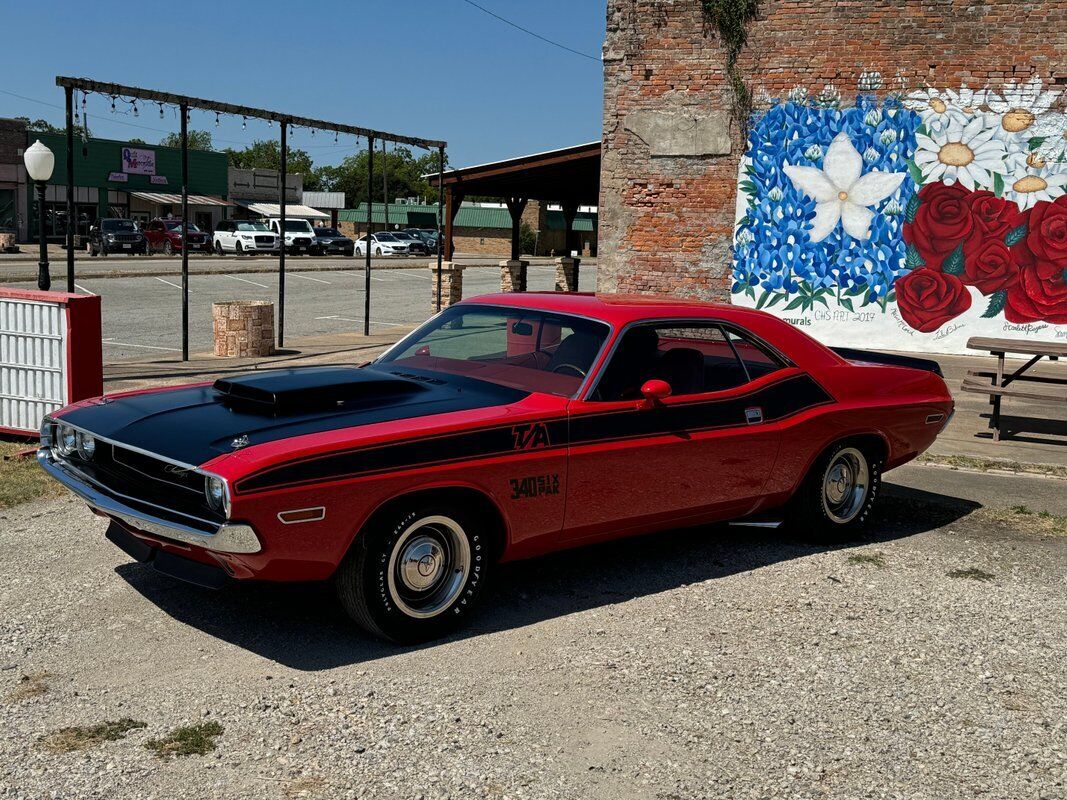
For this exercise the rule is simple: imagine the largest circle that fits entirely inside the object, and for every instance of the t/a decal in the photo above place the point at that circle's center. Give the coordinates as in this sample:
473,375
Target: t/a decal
530,437
534,486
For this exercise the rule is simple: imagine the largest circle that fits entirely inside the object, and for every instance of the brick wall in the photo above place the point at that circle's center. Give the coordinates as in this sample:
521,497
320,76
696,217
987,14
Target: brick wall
671,152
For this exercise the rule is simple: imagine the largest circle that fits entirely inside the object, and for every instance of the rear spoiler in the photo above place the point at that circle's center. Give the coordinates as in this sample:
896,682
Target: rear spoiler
892,359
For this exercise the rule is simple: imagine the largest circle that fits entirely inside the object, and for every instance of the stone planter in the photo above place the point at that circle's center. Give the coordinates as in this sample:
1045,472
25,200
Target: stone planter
244,328
7,243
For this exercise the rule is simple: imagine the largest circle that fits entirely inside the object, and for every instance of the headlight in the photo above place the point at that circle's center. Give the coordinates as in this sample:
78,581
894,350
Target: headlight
86,446
48,428
218,494
66,441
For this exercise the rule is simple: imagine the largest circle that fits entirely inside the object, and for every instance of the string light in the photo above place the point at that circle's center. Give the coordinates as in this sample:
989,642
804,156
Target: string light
161,111
135,109
244,123
335,137
112,104
216,119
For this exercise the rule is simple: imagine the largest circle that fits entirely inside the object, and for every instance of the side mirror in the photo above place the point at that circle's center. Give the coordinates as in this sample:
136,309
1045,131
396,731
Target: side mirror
654,391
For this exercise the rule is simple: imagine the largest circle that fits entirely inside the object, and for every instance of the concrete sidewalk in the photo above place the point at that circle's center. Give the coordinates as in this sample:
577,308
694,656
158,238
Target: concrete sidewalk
1038,430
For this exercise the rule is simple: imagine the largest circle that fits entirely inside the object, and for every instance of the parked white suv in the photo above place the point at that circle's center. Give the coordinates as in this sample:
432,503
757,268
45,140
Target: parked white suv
243,236
299,235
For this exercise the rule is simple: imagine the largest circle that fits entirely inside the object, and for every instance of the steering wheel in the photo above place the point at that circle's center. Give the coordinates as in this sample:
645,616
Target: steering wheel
561,368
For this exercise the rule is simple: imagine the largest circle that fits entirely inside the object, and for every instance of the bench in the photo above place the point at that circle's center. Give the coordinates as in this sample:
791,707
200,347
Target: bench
997,384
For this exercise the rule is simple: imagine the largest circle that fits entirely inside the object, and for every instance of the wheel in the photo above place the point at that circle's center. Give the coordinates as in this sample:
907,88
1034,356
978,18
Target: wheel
415,574
377,251
168,248
835,501
240,250
349,253
92,250
218,247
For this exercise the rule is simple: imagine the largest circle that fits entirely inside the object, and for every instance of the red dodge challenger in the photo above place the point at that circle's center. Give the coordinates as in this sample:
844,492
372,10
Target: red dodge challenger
505,427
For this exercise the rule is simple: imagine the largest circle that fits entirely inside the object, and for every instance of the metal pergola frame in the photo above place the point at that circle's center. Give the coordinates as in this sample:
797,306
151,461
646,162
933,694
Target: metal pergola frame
184,103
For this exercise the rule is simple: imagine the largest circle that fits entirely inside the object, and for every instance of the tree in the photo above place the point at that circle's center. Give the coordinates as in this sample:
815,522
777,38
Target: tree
405,176
44,126
198,140
268,155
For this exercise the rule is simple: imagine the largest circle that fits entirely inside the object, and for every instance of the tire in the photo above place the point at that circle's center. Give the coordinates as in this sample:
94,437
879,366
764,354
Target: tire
349,253
377,251
168,248
834,503
218,247
238,249
92,250
443,547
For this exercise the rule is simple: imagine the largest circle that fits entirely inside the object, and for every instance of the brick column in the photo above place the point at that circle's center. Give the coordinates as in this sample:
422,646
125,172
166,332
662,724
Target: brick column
451,284
567,274
513,275
244,328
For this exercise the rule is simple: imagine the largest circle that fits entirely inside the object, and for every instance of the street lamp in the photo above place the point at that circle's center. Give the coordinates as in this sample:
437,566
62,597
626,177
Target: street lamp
40,161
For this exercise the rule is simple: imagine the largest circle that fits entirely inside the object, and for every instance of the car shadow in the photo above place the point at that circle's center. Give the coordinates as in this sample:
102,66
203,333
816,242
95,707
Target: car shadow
301,626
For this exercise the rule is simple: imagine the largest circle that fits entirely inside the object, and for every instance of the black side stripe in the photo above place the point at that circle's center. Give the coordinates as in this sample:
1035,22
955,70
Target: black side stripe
776,401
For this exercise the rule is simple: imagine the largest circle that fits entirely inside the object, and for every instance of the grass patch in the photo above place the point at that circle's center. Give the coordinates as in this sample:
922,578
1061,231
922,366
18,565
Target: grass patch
990,464
868,559
1031,521
33,685
21,480
973,573
188,740
82,737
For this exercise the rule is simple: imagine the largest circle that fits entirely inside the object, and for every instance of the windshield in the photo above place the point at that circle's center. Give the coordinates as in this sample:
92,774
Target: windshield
297,226
404,236
252,226
176,225
118,225
326,232
535,351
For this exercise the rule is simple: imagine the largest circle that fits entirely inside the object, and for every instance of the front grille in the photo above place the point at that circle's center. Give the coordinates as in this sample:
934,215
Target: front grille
148,479
301,241
126,237
264,240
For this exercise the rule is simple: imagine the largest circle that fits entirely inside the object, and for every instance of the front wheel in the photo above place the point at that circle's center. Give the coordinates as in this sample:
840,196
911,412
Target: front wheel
415,575
834,503
218,248
168,248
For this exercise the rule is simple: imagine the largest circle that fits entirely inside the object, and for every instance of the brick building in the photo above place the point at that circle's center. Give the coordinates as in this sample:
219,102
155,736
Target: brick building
671,151
13,182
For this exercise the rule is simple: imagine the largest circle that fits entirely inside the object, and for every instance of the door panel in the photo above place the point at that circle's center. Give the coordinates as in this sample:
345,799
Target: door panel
698,457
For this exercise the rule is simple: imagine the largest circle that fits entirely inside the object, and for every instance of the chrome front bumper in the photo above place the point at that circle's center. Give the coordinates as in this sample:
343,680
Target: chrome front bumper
225,538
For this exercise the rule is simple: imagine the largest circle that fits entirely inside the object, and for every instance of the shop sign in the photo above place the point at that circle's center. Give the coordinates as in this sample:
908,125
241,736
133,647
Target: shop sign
159,180
137,161
118,177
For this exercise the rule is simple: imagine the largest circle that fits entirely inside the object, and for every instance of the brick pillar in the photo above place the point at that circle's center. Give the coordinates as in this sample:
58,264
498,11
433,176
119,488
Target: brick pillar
513,275
243,328
567,274
451,284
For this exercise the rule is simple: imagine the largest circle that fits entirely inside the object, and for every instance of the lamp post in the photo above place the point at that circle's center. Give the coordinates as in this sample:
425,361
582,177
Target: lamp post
40,161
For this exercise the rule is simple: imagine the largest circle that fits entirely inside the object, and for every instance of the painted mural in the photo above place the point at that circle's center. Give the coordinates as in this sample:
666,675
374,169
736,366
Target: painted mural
912,222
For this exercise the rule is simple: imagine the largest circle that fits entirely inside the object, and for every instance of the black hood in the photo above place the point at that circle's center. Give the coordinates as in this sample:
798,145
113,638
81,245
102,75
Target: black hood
194,425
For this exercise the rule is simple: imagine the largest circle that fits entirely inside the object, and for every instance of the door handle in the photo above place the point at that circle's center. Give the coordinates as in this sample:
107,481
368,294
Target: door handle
753,415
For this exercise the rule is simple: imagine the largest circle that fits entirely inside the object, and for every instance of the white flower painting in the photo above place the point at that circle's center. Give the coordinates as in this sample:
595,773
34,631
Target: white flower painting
970,153
842,193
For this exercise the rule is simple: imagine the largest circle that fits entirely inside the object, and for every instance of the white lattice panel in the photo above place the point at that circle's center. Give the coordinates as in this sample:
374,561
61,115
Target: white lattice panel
33,378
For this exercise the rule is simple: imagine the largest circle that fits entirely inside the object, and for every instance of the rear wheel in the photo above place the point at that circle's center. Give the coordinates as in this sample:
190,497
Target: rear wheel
835,501
168,248
414,575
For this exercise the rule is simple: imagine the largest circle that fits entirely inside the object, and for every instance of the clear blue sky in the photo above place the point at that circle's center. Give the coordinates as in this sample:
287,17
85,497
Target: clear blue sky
435,68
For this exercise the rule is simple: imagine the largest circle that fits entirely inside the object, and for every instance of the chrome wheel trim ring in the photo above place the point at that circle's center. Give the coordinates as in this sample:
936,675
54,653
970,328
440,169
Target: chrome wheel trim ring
428,567
845,486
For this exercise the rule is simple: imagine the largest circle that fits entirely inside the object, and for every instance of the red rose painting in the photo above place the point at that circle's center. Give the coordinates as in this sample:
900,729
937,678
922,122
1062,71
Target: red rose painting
1018,258
928,298
942,222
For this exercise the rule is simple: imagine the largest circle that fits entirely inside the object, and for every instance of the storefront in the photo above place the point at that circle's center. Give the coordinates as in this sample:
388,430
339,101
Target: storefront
129,180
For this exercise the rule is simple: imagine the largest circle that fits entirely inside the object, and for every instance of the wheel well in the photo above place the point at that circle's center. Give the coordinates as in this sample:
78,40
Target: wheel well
873,445
464,496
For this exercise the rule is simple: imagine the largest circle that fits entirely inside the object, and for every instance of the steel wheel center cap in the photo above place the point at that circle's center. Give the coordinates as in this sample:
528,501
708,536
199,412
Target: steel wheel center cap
421,563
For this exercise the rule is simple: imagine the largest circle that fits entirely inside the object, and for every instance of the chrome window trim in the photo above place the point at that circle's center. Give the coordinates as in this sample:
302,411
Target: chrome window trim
744,332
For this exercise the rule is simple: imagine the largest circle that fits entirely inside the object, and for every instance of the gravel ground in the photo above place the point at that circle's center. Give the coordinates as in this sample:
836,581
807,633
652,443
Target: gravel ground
719,663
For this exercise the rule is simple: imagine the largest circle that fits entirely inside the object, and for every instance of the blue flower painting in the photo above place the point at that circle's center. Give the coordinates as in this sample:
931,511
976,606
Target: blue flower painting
823,192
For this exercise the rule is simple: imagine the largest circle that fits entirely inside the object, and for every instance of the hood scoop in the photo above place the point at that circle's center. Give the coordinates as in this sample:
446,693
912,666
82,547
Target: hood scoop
294,391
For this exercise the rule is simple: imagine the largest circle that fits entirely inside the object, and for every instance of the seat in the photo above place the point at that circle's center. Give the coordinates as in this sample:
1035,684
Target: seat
683,369
577,350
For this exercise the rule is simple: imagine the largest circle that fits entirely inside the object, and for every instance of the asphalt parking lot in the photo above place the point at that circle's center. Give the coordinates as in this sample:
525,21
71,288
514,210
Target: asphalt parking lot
925,661
142,315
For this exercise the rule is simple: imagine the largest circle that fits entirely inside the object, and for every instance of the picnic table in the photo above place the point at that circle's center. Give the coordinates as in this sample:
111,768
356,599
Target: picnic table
998,384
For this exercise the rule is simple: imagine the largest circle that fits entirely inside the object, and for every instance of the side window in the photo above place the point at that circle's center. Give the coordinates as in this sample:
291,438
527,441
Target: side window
691,357
757,359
